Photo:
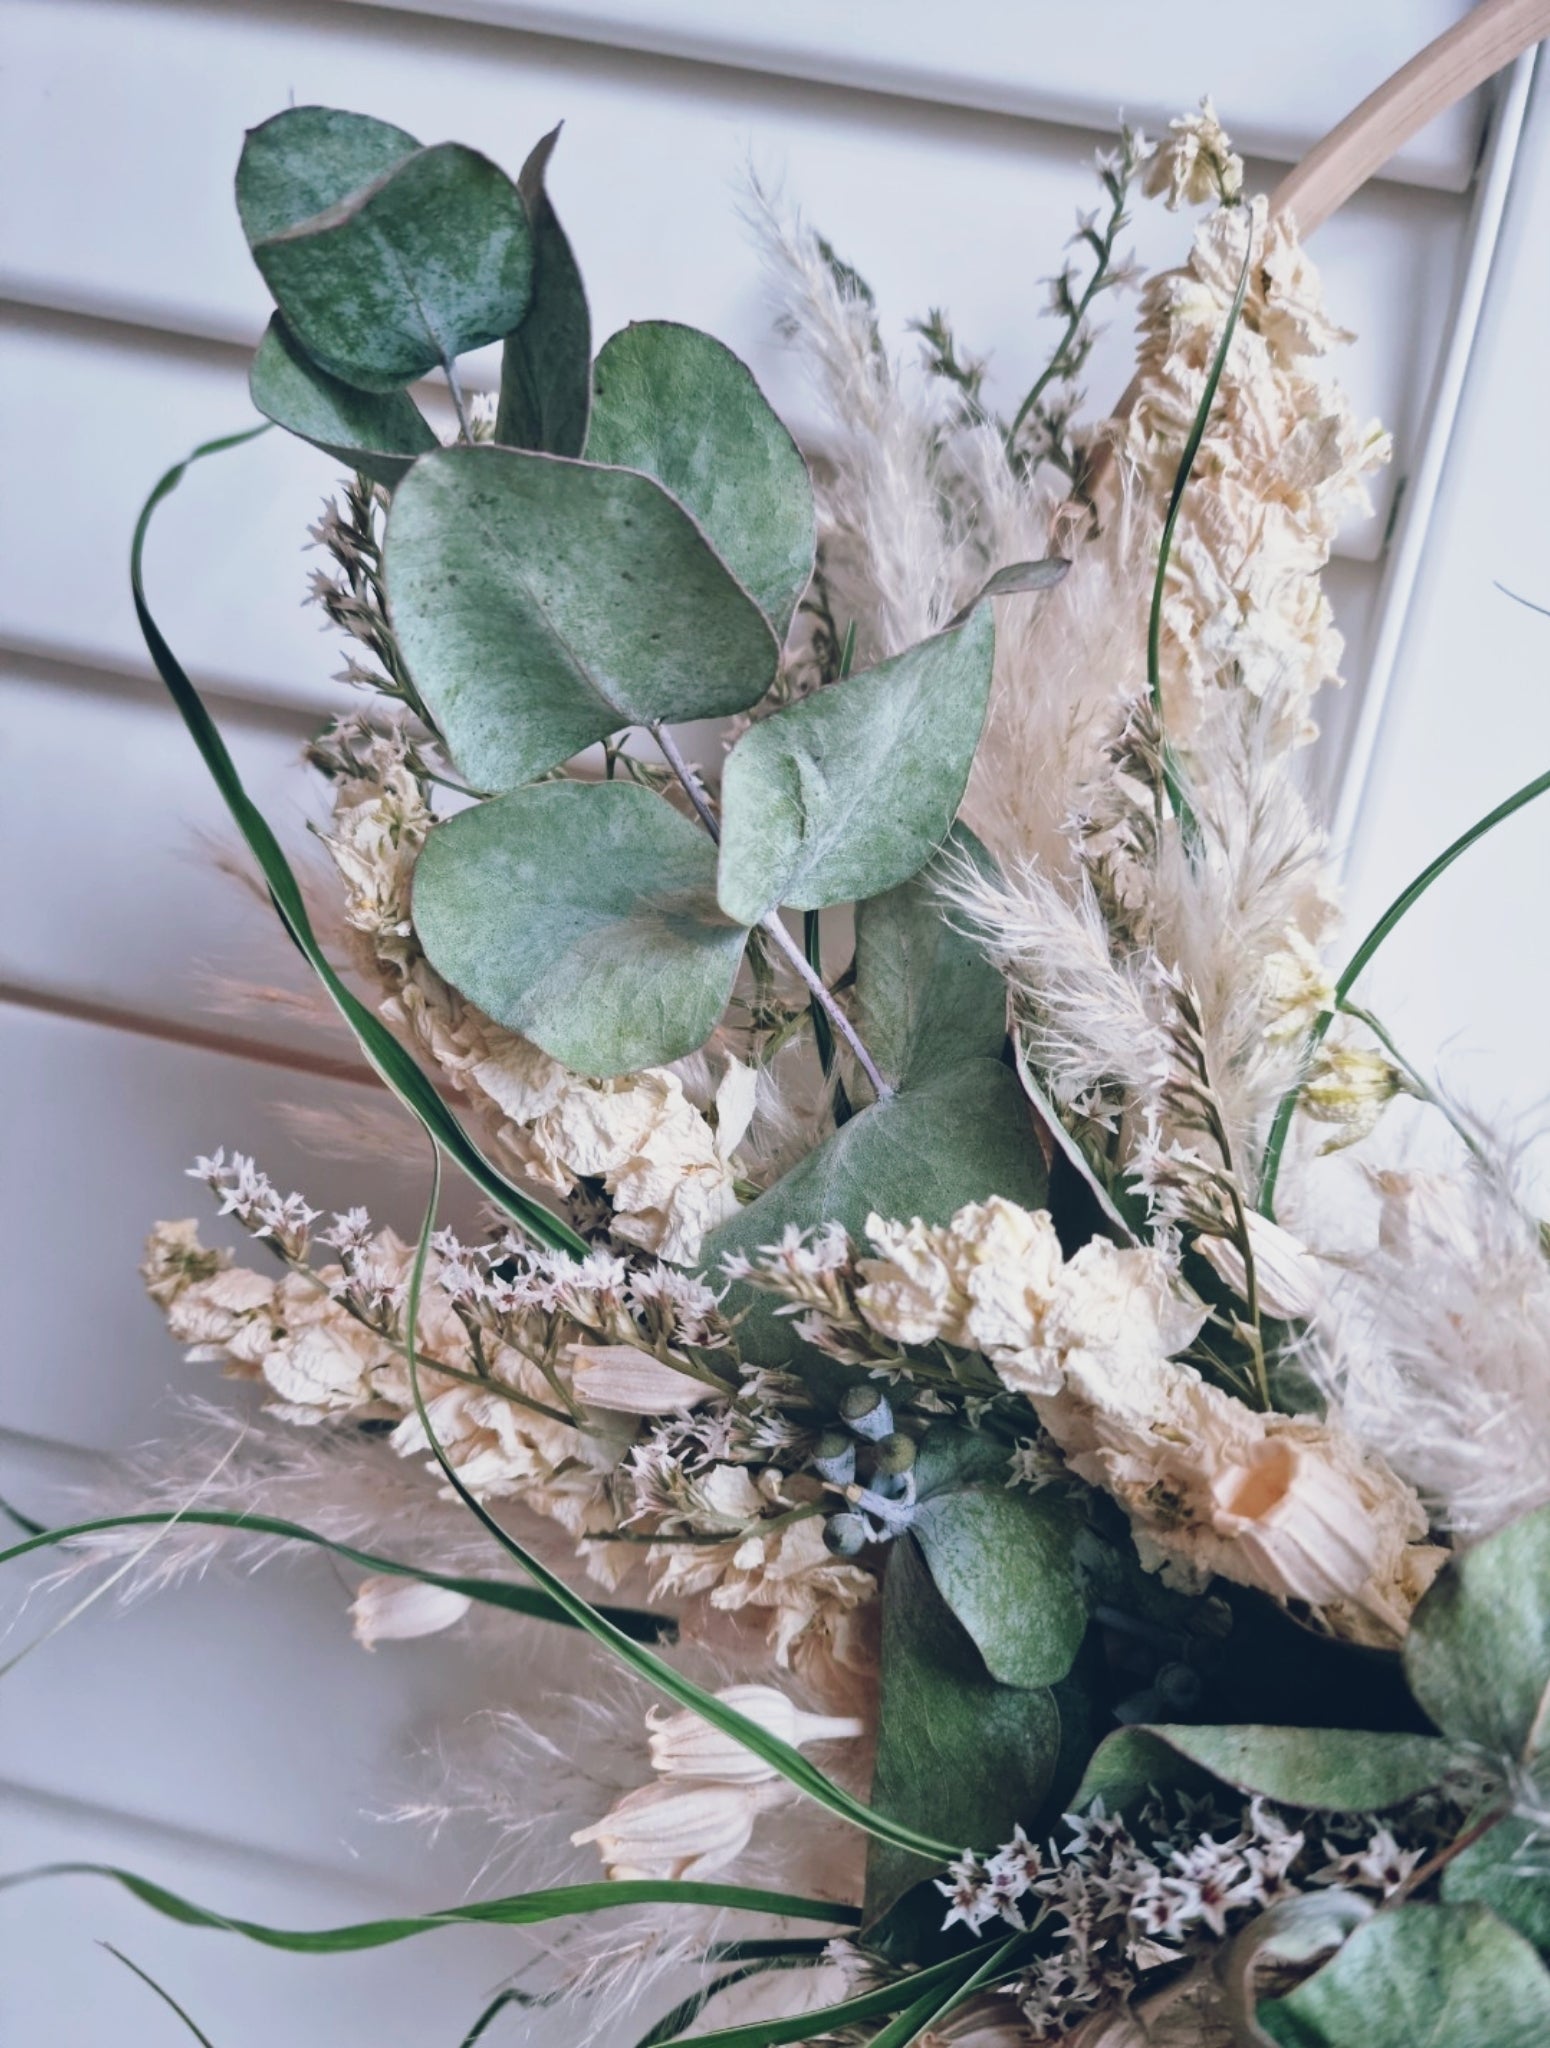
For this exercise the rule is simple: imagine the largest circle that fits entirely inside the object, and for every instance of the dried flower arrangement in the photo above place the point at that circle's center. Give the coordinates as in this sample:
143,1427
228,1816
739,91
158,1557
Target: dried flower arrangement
905,1334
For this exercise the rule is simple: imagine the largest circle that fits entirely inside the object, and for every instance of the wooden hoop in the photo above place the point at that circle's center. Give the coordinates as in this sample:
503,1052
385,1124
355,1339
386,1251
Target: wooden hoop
1488,38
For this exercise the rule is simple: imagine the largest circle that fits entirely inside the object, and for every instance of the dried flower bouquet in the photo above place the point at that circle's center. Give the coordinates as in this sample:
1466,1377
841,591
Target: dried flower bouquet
954,1337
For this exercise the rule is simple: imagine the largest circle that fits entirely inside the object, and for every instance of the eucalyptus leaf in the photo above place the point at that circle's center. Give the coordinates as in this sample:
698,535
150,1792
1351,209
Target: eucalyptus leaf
679,405
301,162
1420,1977
926,996
957,1138
949,1458
1508,1869
1338,1770
432,258
1001,1559
546,366
1478,1652
542,604
849,791
958,1755
582,915
378,433
1018,578
1130,1765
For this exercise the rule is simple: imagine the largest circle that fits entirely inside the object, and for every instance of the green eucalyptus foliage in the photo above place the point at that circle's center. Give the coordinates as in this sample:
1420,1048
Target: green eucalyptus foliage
926,996
959,1755
849,791
378,433
543,604
1420,1977
419,257
1508,1869
1338,1770
1001,1560
679,405
584,916
546,365
1478,1652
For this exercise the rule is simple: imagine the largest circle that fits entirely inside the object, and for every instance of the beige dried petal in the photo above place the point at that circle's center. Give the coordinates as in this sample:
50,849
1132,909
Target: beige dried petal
1286,1274
631,1382
391,1609
679,1831
685,1745
1301,1524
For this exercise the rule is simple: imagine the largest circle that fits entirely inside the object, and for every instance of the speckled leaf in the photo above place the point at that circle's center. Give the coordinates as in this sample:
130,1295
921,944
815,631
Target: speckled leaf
584,916
432,258
546,367
1420,1977
1338,1770
958,1755
677,404
1478,1652
1001,1559
957,1138
849,791
926,996
542,604
1129,1765
1508,1869
307,159
378,433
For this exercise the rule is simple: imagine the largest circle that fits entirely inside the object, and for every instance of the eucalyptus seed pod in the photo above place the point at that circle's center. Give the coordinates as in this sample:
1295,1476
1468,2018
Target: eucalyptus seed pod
894,1455
866,1410
844,1535
834,1456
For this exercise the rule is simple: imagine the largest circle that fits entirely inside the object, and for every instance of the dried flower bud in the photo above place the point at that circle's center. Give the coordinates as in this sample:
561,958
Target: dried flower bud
895,1455
677,1831
866,1410
391,1609
631,1382
1286,1274
685,1745
845,1535
1300,1522
834,1456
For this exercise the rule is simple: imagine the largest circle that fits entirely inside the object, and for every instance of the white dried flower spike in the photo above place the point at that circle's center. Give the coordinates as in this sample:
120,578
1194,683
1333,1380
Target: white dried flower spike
679,1831
685,1745
1286,1274
631,1382
390,1609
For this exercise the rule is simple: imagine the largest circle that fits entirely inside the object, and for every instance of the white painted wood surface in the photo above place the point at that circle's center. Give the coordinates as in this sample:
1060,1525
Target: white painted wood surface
232,1741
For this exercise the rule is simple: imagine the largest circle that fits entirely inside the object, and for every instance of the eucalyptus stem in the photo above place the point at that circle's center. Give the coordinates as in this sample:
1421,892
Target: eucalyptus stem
771,925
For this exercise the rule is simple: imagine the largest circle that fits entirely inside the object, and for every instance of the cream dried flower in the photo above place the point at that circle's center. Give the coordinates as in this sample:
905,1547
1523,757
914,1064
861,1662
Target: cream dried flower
388,1609
632,1382
1197,165
679,1831
685,1745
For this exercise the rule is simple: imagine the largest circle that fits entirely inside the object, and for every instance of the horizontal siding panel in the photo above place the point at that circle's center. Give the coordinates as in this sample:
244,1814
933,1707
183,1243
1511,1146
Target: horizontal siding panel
102,1125
1282,77
58,1986
117,826
937,206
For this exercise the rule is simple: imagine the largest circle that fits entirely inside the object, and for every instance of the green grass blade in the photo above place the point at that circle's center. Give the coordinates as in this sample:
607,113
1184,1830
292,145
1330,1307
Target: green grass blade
937,2004
1404,902
912,1992
389,1059
522,1909
782,1757
646,1628
493,2011
162,1993
1181,478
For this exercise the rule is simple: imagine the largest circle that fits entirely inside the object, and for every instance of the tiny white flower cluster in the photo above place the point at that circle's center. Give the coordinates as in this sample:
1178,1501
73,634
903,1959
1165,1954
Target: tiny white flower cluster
699,1815
1122,1903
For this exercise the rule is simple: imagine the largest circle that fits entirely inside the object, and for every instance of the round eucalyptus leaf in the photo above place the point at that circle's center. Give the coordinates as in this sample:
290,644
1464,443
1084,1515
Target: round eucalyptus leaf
1001,1559
677,404
1130,1765
958,1755
582,915
1508,1869
434,257
849,791
546,366
927,998
542,604
1478,1652
1420,1977
303,161
1337,1770
378,433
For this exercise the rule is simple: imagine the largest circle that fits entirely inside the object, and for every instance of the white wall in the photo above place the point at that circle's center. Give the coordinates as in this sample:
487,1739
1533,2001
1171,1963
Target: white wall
233,1742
